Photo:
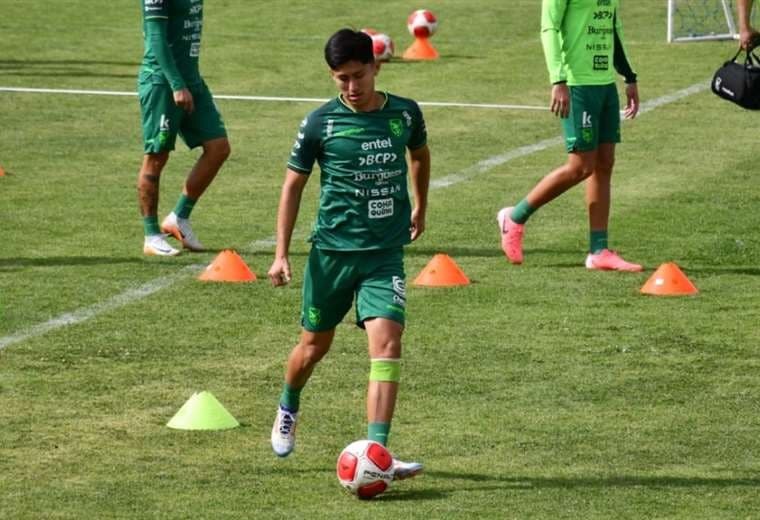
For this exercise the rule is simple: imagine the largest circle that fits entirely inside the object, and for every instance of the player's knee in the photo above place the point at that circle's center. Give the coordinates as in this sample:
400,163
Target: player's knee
219,150
312,353
155,162
389,348
581,171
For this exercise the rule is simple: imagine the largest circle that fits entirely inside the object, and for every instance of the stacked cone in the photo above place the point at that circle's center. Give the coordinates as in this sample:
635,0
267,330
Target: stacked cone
421,49
203,412
228,266
441,271
669,280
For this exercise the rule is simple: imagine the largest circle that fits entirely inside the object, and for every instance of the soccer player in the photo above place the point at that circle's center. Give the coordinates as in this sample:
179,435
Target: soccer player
747,34
359,140
175,99
583,43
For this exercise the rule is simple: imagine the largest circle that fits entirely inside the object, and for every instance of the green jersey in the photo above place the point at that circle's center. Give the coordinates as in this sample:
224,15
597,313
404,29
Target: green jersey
364,201
583,42
182,33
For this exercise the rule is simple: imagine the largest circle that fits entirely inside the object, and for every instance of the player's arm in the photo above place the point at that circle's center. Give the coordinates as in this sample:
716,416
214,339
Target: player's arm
287,213
552,15
156,35
747,33
623,67
420,174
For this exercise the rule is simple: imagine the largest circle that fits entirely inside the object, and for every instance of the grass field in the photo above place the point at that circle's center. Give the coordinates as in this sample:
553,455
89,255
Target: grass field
539,391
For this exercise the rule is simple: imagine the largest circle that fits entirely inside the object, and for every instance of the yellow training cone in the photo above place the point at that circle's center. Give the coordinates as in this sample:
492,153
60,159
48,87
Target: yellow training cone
203,412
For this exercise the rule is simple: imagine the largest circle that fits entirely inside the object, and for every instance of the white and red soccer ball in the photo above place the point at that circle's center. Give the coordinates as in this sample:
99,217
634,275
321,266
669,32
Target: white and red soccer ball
365,468
422,23
382,44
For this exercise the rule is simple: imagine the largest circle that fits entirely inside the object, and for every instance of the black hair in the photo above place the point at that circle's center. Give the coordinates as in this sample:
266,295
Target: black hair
348,45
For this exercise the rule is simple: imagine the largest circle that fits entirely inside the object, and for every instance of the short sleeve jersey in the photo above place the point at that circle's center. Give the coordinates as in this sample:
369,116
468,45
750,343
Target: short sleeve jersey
580,39
364,200
184,26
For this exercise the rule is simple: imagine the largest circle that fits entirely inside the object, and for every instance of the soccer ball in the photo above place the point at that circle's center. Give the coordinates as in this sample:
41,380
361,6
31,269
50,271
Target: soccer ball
382,47
422,23
365,468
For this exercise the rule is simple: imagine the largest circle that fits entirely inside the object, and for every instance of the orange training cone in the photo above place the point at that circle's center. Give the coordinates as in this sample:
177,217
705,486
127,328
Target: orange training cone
421,49
669,280
2,172
227,267
441,271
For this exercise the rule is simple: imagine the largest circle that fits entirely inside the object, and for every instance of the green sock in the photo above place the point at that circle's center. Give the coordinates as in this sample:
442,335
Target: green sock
184,206
150,225
522,212
597,240
378,432
290,397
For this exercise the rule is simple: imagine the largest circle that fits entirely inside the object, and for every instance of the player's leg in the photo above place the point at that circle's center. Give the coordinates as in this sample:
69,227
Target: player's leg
381,310
579,166
328,288
598,188
301,362
160,120
581,140
204,127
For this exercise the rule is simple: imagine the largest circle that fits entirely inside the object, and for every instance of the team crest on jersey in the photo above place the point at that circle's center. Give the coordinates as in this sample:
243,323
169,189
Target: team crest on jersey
397,127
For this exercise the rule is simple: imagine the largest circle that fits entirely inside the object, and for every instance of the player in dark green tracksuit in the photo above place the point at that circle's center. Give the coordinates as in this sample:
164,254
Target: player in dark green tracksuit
174,99
583,45
360,141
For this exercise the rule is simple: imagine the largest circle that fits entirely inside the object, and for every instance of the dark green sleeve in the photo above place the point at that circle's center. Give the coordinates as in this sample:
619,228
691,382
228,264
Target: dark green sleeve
620,60
155,36
418,139
307,145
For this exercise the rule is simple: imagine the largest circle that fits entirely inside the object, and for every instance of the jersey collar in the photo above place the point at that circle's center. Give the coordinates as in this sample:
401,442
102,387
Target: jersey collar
381,107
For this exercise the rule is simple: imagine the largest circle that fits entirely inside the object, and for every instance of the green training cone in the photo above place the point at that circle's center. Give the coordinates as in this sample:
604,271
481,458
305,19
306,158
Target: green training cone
203,412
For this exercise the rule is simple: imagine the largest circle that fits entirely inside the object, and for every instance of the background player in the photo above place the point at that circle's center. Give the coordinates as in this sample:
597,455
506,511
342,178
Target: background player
175,99
365,217
583,41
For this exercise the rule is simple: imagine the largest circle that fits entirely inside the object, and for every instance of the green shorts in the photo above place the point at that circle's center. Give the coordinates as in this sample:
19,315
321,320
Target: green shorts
162,119
332,278
594,117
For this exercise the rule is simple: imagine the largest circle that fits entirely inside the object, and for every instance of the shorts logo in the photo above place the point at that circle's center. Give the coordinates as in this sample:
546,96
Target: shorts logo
381,208
315,316
399,288
397,127
163,130
588,125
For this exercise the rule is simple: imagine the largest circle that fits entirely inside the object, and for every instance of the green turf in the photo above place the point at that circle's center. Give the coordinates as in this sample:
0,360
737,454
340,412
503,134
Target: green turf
540,391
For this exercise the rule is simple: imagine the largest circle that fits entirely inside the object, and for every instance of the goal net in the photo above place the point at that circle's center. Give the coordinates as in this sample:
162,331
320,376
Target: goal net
699,20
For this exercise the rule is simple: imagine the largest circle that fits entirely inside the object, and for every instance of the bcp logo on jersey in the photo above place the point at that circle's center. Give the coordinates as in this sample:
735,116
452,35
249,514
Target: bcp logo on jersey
154,5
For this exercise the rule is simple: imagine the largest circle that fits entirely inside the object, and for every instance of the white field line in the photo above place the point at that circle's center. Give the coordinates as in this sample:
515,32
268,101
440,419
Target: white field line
259,98
497,160
153,286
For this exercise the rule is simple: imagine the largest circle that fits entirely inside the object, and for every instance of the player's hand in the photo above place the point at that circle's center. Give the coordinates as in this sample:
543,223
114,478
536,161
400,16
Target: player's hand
749,38
632,103
184,99
418,224
561,100
279,273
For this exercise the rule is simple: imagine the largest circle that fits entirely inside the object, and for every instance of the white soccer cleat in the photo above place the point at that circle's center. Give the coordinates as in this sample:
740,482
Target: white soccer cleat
156,245
403,470
284,432
180,229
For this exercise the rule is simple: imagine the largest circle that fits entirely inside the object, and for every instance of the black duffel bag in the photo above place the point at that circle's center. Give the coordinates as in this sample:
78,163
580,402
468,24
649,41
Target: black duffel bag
739,82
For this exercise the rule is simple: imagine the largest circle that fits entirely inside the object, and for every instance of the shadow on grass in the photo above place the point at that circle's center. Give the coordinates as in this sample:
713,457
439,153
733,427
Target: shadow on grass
622,481
750,271
34,63
66,68
54,261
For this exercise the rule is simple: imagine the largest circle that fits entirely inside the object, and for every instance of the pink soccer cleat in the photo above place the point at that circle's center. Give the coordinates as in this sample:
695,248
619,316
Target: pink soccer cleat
607,260
511,236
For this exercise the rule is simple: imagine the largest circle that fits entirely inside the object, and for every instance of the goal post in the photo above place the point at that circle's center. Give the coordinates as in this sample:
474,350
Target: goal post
702,20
